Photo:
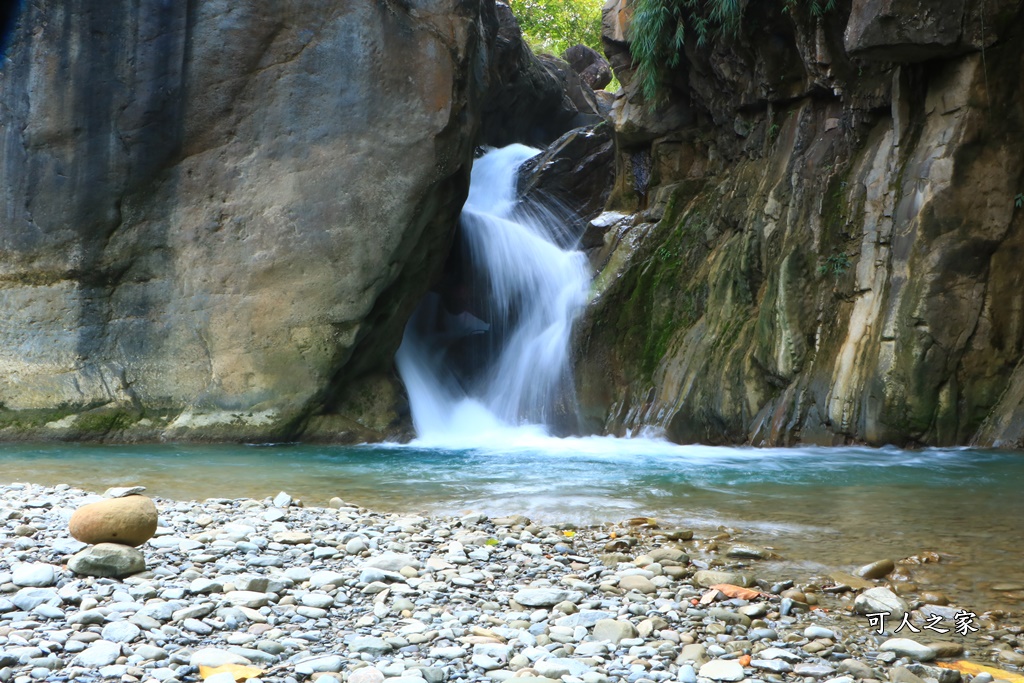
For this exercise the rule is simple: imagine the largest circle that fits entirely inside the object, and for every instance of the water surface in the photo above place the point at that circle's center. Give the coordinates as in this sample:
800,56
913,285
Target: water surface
819,508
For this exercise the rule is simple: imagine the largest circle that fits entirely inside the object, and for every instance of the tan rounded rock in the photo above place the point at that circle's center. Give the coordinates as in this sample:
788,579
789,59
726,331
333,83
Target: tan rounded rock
130,521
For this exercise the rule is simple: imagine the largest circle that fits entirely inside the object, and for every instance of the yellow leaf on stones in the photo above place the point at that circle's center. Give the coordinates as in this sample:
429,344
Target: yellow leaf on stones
241,673
569,534
963,666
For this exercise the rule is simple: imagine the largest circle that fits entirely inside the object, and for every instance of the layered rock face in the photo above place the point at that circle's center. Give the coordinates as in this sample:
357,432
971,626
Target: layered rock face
821,233
208,209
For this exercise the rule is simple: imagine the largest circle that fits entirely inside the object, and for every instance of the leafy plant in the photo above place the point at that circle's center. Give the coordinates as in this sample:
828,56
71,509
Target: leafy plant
1018,201
658,28
836,264
556,25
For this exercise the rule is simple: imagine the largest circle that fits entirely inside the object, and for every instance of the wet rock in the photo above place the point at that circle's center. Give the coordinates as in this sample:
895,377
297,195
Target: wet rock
881,600
748,552
708,578
130,520
876,570
108,560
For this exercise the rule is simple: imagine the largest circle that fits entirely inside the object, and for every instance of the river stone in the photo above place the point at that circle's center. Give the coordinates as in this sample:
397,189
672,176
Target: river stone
367,674
747,552
881,600
111,560
586,618
641,584
544,597
28,599
122,491
667,552
899,674
250,599
130,520
321,664
780,653
556,667
905,647
392,562
814,669
774,665
708,578
722,670
121,632
293,537
876,570
613,630
371,645
856,668
214,657
100,653
33,575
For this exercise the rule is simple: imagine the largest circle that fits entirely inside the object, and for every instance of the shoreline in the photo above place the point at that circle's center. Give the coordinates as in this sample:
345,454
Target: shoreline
430,599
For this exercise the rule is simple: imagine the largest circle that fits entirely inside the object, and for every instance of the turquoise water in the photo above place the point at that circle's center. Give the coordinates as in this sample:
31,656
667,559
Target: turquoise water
818,508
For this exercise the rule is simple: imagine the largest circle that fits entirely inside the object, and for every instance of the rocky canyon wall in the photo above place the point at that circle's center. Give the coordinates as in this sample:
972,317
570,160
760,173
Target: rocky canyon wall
209,207
818,237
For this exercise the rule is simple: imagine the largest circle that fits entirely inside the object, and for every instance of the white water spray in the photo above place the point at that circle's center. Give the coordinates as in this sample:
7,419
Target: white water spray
489,355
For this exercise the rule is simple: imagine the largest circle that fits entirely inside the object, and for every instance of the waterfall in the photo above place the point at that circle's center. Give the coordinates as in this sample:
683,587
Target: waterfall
487,351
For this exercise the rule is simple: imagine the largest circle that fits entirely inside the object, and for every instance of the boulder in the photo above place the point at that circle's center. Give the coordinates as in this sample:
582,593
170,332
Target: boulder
130,520
593,69
531,99
225,210
108,560
577,170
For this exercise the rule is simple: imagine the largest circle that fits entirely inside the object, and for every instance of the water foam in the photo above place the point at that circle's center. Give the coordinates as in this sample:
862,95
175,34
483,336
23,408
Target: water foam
528,284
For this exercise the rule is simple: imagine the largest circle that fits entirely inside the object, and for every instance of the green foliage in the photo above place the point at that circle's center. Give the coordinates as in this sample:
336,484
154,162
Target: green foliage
1018,201
555,25
658,31
836,264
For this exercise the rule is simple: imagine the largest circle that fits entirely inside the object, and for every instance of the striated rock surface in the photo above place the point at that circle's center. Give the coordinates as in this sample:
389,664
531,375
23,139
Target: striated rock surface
821,235
130,520
207,210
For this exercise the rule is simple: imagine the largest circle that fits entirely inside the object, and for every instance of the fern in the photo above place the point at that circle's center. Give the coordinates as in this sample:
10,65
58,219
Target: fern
657,33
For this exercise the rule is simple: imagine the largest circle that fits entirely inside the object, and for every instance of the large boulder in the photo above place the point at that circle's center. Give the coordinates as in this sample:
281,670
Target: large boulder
210,208
130,520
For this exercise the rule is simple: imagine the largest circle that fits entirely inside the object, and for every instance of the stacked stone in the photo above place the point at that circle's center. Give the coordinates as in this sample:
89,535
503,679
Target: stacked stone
113,527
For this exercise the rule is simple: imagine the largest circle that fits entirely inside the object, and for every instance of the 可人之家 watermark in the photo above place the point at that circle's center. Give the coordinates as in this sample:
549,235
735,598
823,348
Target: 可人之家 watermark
961,623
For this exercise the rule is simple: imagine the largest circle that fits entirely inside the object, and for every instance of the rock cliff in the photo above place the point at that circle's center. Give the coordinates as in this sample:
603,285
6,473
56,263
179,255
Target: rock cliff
210,208
818,237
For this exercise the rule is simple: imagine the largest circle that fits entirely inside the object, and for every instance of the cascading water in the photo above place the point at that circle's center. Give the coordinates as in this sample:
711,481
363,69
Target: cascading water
489,350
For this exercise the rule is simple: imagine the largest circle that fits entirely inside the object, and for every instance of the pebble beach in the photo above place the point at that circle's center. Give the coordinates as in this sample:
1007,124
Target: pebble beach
343,594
